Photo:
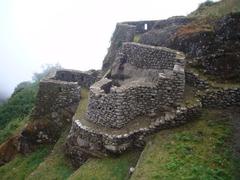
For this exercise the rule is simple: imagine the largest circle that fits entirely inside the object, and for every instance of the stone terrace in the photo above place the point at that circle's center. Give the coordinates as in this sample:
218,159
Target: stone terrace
140,93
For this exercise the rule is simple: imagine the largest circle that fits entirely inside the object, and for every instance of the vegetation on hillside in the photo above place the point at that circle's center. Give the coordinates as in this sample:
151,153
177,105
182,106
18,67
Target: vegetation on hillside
109,168
198,150
14,113
55,165
12,128
23,165
19,104
215,10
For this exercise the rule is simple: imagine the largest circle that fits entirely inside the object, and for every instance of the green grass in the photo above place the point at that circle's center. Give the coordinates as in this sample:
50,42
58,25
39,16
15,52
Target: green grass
217,10
20,167
55,166
197,150
110,168
136,38
83,104
13,127
19,105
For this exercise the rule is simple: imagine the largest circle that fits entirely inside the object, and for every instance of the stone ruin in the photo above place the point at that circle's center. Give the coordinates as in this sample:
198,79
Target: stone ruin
143,80
57,101
140,91
62,90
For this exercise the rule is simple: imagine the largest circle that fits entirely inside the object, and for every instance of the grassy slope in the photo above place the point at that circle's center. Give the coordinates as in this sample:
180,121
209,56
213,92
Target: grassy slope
14,112
218,9
55,166
19,105
197,150
22,166
12,128
108,168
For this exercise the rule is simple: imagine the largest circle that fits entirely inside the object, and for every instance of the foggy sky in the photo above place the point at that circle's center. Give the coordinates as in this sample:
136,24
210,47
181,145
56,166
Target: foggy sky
74,33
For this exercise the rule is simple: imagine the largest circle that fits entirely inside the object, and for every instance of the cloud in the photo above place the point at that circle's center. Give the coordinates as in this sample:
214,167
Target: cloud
73,33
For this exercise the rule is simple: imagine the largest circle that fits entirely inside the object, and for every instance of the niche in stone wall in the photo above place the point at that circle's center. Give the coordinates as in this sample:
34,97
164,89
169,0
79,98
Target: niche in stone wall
59,89
145,26
62,76
73,77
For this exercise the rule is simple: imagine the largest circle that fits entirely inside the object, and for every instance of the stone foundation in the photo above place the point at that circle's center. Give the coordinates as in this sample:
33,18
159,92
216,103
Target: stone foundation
96,140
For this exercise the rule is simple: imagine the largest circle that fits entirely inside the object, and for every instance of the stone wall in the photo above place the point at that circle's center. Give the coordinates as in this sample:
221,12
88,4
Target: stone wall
85,79
122,33
151,57
54,95
221,98
194,80
163,31
141,26
92,140
114,103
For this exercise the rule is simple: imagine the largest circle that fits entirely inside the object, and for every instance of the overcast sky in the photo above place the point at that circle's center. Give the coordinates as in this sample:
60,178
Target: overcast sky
74,33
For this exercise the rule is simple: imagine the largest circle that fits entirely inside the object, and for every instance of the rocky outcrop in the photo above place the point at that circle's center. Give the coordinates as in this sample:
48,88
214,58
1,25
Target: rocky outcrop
163,31
122,33
217,51
215,45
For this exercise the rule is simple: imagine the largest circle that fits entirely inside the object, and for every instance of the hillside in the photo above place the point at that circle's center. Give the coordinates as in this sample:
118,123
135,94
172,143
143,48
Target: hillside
164,106
216,10
14,113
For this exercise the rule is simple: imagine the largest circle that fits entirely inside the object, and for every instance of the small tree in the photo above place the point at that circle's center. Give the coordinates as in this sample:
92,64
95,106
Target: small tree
48,70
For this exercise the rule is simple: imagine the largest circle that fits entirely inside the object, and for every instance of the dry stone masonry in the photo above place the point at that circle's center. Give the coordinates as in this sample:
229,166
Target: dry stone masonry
141,92
144,79
54,95
138,95
84,79
57,100
62,90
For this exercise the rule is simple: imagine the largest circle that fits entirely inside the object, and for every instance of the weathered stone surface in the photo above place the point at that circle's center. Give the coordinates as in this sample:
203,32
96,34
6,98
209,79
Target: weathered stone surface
54,95
134,86
163,31
84,79
221,98
122,33
143,81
